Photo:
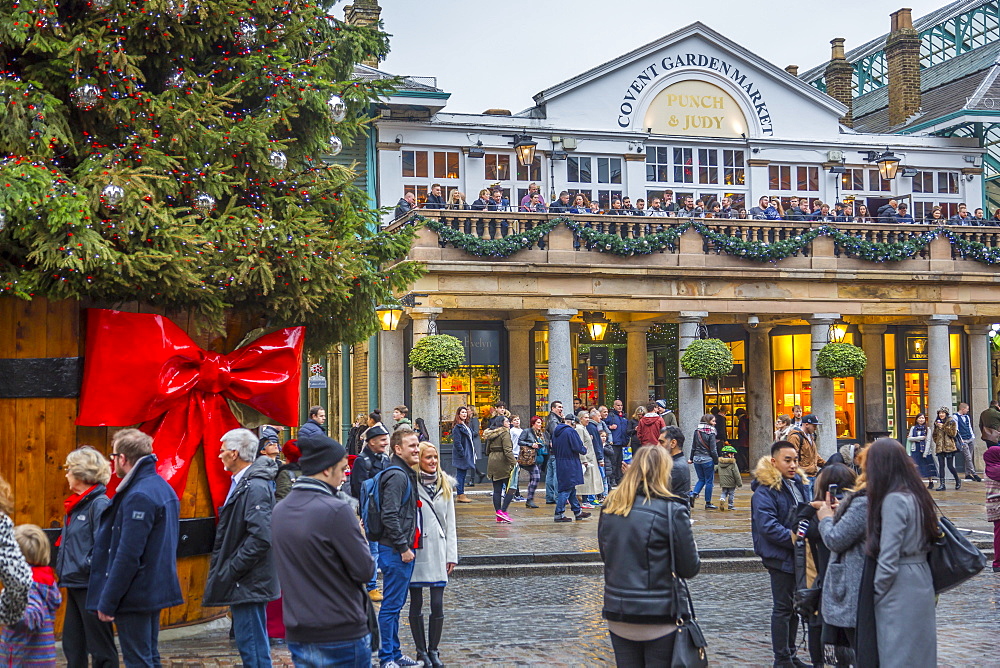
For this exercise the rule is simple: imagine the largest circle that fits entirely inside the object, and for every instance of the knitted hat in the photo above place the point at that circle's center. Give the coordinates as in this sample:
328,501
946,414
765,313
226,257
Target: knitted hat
291,451
319,453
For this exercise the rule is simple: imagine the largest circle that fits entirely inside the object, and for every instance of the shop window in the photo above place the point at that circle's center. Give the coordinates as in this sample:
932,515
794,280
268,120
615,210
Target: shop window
807,179
445,165
657,164
541,350
476,384
729,391
779,177
532,172
609,170
791,358
578,169
948,182
415,164
683,165
733,168
497,166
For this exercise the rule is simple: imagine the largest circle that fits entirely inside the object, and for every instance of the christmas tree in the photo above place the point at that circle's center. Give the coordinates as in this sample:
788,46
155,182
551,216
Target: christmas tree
182,154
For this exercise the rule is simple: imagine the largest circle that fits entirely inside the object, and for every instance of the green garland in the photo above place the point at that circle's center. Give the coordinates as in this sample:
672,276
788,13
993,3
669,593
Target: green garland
590,238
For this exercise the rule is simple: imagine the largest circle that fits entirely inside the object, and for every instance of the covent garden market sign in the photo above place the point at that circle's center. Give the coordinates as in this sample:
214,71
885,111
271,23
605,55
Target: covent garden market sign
692,107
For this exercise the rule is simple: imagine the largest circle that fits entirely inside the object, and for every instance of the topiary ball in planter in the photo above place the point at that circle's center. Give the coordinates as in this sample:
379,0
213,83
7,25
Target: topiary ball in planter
437,353
707,358
841,360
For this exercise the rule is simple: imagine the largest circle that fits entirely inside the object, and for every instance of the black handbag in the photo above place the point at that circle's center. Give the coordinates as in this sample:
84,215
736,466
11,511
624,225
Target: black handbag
953,559
372,621
690,646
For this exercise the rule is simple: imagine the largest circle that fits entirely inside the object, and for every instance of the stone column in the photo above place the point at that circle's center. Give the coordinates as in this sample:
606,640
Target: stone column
521,400
979,381
636,378
874,379
760,399
560,357
391,369
424,387
939,363
822,388
690,391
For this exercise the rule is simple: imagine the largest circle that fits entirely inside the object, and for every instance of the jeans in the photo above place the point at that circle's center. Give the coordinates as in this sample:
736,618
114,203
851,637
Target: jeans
347,654
728,496
574,503
373,548
551,484
706,479
250,630
395,585
651,654
615,473
604,478
946,459
138,635
460,477
784,621
84,633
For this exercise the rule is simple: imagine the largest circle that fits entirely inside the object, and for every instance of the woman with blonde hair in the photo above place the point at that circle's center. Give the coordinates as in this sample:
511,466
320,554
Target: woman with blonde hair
87,473
646,542
437,555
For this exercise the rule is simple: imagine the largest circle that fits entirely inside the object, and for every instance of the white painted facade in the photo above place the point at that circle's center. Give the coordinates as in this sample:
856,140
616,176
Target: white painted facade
792,137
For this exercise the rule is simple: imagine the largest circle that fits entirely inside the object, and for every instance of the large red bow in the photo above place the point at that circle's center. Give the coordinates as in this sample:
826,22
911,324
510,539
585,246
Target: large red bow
142,368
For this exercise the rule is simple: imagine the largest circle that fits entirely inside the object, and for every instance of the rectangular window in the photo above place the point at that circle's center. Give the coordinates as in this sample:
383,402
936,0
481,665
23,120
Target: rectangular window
573,192
578,169
923,182
419,191
609,170
657,164
445,165
415,164
497,167
532,172
708,165
877,184
733,168
779,177
853,179
807,179
948,182
604,197
683,165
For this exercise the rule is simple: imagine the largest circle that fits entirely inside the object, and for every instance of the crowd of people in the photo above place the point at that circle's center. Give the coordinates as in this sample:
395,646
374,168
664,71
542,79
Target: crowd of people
300,542
769,207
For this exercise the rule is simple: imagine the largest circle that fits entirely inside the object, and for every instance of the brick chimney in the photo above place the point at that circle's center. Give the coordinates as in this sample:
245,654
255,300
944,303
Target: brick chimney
364,13
839,77
793,70
902,54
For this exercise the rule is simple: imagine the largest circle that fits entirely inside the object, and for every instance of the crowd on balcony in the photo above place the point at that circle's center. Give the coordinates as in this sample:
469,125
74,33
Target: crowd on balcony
768,208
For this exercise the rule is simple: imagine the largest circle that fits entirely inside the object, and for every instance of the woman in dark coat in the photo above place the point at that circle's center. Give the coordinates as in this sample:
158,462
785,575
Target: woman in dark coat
646,545
463,451
566,450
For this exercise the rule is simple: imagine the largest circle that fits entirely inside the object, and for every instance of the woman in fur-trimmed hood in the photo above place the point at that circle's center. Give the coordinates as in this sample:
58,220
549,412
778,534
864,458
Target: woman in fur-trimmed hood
500,462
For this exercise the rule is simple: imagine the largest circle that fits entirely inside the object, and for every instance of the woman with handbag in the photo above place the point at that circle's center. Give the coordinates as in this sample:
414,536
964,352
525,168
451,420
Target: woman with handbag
943,435
529,456
648,550
902,525
437,555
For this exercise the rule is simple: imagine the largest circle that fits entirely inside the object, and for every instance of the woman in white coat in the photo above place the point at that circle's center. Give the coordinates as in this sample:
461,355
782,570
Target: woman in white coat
592,483
437,555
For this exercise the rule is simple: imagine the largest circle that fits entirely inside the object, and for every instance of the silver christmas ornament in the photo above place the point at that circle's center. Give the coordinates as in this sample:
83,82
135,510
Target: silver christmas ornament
246,33
100,5
178,8
176,79
3,219
278,160
204,203
338,110
87,97
112,195
336,146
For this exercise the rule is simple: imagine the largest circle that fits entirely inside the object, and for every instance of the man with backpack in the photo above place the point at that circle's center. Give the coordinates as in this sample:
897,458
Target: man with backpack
389,511
367,465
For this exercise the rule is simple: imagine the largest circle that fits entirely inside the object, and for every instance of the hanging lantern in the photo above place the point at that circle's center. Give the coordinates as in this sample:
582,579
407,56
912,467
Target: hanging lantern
524,147
887,165
388,317
837,333
597,325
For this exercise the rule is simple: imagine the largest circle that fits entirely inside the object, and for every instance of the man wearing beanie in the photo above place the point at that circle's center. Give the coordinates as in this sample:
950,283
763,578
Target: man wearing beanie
372,459
323,560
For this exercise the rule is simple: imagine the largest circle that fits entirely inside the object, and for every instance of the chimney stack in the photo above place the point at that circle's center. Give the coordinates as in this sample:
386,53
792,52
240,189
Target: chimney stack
364,13
902,54
839,77
793,70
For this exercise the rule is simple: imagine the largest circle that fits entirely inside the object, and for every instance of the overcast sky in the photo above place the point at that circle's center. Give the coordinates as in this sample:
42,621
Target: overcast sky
499,54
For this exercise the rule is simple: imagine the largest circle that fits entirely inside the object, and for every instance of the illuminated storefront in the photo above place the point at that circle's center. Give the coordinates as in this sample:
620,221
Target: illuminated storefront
907,383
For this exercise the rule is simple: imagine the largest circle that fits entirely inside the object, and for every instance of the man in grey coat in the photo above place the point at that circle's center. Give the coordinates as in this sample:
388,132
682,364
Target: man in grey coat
242,573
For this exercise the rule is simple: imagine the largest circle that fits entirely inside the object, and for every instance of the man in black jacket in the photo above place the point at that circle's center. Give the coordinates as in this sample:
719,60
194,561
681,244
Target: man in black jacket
371,460
672,438
242,574
435,200
323,562
398,485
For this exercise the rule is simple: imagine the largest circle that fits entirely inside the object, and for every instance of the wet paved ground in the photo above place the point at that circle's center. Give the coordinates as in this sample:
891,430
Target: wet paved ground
555,620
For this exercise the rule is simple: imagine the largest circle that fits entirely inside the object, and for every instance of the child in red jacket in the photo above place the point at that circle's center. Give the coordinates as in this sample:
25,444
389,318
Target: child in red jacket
31,643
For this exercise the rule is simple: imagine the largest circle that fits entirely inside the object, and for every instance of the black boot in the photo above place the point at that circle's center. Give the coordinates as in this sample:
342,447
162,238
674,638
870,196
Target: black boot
419,639
437,626
958,484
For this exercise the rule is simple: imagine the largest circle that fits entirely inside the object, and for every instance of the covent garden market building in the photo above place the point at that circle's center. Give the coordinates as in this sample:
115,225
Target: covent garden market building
557,306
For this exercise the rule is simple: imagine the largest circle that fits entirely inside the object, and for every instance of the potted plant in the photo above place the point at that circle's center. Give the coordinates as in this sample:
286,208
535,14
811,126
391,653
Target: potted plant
437,353
707,358
841,360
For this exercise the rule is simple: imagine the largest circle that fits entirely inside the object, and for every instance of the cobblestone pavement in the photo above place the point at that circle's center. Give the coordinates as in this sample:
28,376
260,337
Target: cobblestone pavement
555,621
